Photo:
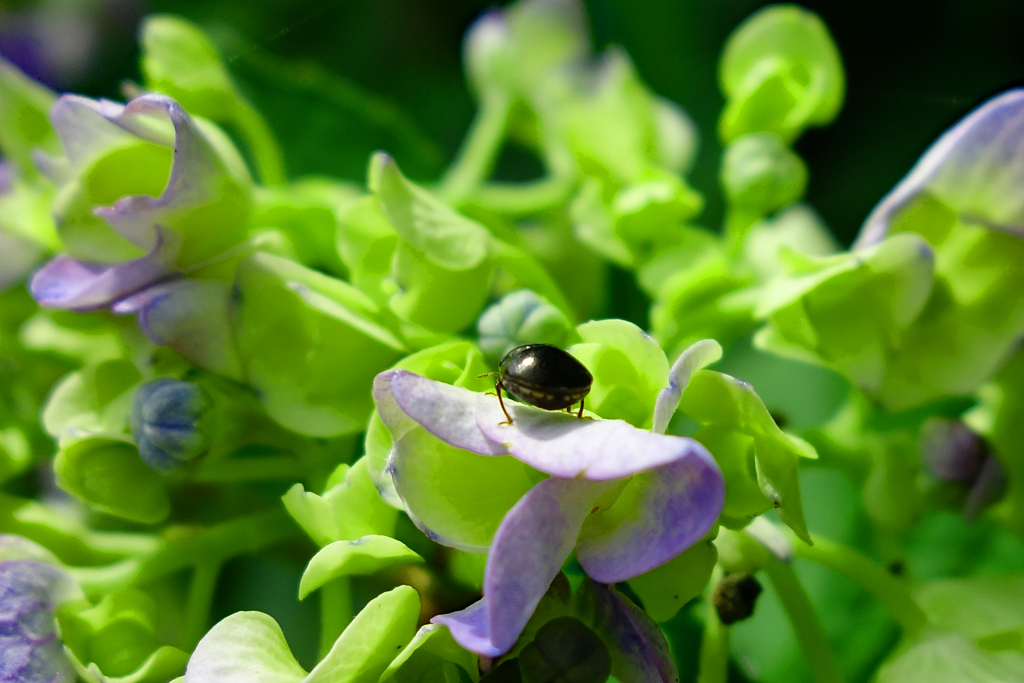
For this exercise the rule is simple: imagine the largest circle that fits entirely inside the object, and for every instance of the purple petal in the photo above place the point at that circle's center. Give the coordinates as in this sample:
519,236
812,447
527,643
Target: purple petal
30,650
638,647
699,355
660,514
563,445
67,283
196,178
533,541
191,317
445,411
976,168
85,127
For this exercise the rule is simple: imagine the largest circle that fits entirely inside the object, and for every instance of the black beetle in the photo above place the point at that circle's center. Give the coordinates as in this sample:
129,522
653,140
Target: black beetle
544,376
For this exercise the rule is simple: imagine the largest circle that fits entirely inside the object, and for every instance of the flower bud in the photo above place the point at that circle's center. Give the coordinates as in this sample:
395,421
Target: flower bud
736,597
761,174
166,423
521,317
951,451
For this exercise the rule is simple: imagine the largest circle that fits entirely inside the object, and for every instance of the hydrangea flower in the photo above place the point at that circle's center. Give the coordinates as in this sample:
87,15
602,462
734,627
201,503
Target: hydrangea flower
626,499
122,154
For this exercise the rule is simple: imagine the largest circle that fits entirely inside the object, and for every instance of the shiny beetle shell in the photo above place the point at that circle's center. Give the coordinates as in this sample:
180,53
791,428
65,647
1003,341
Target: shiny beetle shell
544,376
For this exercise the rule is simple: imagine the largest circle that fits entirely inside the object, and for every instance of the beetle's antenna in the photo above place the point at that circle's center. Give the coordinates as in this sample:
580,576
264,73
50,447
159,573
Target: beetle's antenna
487,374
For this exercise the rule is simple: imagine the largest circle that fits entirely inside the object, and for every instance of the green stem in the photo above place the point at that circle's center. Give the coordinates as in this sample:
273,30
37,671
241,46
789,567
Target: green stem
809,631
184,547
335,612
714,647
200,597
479,150
265,150
870,576
521,199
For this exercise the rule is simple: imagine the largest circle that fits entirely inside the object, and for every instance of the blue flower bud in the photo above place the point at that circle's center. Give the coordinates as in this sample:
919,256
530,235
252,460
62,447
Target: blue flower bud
521,317
167,420
30,651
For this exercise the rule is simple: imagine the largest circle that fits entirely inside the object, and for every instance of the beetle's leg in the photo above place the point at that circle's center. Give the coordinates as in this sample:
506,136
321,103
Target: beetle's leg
580,414
508,418
568,409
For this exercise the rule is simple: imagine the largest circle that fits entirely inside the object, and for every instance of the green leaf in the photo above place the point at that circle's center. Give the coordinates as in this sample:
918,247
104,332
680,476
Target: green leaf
371,642
243,648
350,508
109,475
665,589
780,72
310,345
96,399
629,370
365,555
716,399
425,658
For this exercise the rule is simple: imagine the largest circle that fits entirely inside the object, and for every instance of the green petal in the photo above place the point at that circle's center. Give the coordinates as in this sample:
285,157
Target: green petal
366,555
426,656
96,399
369,644
716,399
629,370
665,589
243,648
109,475
348,510
310,345
24,118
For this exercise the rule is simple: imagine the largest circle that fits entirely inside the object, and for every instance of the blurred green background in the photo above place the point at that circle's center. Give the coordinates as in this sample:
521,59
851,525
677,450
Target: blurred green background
338,79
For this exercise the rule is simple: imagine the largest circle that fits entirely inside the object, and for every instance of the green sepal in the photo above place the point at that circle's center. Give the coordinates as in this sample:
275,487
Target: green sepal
974,317
780,72
96,399
306,212
734,450
310,345
665,589
458,363
350,507
116,640
24,118
108,474
761,174
849,311
180,60
629,370
365,555
241,648
429,656
444,236
370,643
713,398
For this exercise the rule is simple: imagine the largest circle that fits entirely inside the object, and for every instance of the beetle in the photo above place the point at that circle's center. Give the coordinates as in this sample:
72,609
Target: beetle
544,376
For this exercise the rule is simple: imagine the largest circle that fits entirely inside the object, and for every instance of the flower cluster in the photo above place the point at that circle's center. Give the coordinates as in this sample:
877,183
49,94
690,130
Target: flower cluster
204,360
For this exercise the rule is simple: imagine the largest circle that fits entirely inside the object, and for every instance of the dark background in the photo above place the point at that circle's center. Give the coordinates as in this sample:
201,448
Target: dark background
340,78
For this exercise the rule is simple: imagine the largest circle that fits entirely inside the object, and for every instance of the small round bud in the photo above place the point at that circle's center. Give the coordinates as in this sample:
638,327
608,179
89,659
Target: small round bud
521,317
762,174
166,423
951,451
735,597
